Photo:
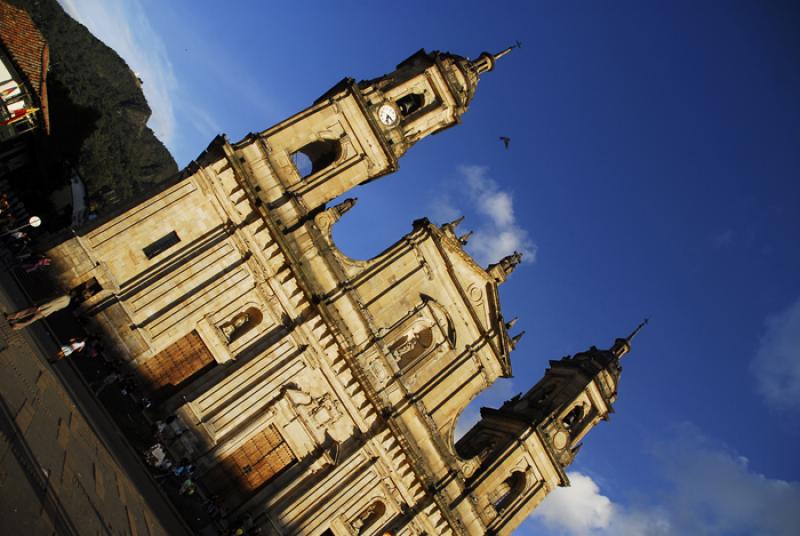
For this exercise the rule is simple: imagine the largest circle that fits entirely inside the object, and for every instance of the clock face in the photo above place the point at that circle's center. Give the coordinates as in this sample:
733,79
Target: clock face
387,114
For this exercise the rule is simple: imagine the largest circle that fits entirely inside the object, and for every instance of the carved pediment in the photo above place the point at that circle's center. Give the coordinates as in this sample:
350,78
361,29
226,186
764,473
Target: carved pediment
480,293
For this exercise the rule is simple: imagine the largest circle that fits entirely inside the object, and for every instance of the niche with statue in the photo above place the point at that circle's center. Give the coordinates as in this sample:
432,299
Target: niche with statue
241,323
425,330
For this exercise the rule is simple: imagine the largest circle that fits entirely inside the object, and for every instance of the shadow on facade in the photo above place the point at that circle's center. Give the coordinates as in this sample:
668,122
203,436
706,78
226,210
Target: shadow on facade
191,251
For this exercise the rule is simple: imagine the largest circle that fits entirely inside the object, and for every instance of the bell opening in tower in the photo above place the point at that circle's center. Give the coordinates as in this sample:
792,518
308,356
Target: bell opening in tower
316,156
410,103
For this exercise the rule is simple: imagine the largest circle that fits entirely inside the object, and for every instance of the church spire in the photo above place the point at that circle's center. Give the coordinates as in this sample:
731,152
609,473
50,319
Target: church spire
623,346
486,61
515,340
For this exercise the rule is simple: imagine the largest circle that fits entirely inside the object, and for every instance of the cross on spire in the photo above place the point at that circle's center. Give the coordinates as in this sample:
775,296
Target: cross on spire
623,346
486,60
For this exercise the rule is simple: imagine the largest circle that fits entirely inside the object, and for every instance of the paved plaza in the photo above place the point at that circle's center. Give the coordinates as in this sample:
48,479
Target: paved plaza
64,466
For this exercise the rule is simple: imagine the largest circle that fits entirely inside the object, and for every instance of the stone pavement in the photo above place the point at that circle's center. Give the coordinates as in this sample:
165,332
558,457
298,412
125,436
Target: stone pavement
64,467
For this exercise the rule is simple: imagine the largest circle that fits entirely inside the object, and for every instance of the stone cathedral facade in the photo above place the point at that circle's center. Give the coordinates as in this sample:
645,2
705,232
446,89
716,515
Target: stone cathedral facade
319,393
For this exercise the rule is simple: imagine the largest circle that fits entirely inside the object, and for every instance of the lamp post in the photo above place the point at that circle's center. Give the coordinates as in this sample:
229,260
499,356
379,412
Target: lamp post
33,221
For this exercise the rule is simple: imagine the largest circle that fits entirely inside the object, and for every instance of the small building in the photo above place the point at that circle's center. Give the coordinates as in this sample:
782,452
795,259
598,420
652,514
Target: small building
24,61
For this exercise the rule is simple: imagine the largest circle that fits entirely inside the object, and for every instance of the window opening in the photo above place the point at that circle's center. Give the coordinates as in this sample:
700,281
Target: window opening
410,103
574,416
302,163
508,491
161,245
316,156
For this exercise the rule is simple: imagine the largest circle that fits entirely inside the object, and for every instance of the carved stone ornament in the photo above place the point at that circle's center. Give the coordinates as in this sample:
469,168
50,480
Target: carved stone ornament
325,410
379,372
560,439
297,396
469,467
475,293
416,340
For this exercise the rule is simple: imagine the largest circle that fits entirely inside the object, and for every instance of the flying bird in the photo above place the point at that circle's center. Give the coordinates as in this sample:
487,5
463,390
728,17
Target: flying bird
506,140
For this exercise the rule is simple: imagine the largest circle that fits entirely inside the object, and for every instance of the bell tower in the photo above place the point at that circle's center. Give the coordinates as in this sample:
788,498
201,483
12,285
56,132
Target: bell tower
357,131
521,450
427,93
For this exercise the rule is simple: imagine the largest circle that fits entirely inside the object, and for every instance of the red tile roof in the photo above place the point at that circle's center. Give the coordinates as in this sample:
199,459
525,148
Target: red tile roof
28,50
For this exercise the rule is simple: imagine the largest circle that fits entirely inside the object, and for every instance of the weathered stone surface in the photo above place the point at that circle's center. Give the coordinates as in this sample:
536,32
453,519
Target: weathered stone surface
329,401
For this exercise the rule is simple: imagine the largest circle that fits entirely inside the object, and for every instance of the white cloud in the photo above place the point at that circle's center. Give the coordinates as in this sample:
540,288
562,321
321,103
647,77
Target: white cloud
492,201
202,121
777,361
711,491
498,236
581,510
489,245
123,26
577,509
714,491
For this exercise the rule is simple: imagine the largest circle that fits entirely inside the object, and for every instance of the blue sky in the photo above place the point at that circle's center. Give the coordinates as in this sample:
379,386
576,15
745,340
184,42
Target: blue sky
653,170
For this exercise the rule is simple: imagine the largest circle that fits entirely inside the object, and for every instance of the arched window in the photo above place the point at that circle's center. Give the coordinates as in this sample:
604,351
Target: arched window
241,323
410,103
574,416
368,517
508,491
316,156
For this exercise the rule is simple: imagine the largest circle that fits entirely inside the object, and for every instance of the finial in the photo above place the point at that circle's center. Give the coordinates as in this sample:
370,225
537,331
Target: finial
331,215
510,324
637,330
345,205
453,224
516,339
511,261
623,346
502,53
465,237
486,61
503,269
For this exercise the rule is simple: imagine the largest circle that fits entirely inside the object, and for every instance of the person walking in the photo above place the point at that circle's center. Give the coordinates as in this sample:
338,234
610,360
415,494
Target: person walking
34,265
74,345
25,317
